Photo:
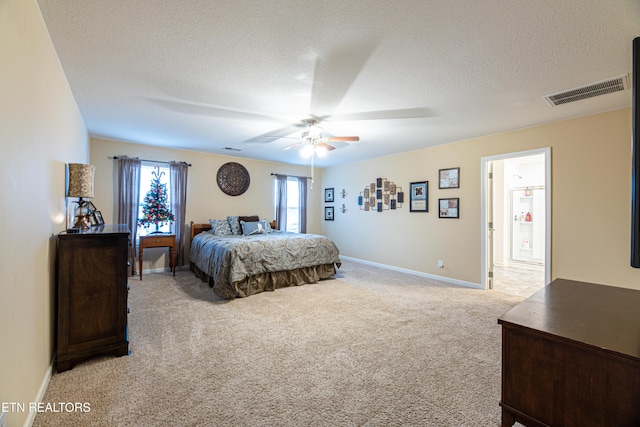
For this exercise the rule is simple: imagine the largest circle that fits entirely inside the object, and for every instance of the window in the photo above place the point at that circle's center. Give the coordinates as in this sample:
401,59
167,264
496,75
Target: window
148,172
293,207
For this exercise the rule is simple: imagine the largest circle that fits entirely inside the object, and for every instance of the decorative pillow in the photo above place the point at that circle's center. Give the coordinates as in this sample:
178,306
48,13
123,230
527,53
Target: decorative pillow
267,225
234,224
220,227
253,227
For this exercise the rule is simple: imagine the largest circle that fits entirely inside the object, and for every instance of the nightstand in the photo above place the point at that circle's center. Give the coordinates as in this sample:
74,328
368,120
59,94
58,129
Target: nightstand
159,241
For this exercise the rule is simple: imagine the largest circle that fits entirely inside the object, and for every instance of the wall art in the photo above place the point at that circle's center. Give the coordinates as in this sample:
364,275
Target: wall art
328,213
419,197
449,178
449,208
328,194
380,196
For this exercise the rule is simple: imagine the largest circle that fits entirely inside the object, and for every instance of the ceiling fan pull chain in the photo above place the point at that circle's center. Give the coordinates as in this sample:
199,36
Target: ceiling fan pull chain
312,177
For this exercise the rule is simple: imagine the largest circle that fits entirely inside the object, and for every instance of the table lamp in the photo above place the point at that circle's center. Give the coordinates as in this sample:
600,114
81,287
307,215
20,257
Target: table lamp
81,185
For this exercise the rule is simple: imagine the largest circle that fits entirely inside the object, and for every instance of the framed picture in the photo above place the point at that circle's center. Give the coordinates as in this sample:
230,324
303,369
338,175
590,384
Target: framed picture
328,213
96,218
449,208
419,197
328,194
449,178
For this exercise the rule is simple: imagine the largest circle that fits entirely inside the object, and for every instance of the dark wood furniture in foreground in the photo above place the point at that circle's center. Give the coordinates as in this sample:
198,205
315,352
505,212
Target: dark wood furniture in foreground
91,279
160,241
571,357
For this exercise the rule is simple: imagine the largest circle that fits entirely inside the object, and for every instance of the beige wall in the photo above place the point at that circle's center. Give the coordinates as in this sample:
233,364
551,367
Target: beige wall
41,131
591,187
204,199
590,232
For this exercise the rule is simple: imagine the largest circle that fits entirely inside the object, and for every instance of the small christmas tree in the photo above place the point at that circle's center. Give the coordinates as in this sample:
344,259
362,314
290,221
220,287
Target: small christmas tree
155,209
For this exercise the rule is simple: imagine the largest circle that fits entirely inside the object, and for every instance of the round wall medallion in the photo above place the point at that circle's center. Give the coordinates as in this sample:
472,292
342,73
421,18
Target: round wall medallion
233,179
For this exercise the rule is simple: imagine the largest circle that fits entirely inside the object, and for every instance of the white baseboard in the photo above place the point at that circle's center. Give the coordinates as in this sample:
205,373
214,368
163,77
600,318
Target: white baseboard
31,417
417,273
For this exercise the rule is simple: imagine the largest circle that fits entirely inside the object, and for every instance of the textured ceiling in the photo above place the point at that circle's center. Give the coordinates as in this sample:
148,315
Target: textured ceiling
403,75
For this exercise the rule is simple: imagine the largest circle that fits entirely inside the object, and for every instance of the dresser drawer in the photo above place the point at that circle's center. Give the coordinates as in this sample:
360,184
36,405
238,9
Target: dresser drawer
149,241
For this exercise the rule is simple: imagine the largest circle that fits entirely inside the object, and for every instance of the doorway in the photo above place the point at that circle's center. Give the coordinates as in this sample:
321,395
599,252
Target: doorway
516,199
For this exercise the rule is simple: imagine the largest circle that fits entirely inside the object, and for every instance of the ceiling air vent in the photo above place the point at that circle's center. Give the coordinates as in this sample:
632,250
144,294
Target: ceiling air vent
589,91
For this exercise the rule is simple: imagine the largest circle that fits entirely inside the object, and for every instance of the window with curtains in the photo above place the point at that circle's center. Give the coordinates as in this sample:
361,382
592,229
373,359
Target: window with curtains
147,170
132,188
293,204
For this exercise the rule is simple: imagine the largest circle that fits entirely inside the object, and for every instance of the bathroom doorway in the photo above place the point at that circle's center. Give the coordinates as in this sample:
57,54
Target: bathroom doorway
516,207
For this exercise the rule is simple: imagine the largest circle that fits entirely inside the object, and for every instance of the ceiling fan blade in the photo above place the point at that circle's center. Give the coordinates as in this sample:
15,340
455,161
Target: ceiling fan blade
335,73
202,109
293,146
326,146
404,113
343,138
277,133
281,137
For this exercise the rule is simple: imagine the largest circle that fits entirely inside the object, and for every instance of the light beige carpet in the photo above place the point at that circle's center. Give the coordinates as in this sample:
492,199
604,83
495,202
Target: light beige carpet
371,347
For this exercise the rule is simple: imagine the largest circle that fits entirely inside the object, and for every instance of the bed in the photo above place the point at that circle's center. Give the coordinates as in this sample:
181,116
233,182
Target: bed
237,265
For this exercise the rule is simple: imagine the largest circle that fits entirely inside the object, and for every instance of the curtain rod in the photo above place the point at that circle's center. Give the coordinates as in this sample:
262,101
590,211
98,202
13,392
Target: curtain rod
145,160
292,176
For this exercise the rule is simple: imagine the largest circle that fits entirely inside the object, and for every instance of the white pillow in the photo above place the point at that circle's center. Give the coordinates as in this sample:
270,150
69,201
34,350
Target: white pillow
267,225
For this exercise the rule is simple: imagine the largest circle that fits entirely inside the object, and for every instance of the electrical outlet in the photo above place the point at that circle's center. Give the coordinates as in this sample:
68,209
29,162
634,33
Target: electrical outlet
440,264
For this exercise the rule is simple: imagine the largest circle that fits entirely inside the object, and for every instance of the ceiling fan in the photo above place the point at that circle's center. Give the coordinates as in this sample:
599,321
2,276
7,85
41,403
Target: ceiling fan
313,142
334,72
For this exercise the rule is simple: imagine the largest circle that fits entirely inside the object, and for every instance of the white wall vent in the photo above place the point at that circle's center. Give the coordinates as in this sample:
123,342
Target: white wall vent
589,91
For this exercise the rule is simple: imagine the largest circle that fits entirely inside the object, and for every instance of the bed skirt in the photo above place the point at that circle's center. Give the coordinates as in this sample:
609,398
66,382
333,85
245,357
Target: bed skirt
268,281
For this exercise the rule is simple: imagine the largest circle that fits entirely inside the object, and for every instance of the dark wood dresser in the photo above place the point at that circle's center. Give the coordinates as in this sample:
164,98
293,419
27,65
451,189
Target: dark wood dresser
91,270
571,357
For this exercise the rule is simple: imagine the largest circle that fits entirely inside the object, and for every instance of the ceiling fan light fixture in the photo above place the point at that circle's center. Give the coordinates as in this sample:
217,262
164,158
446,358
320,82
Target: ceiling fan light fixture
315,132
307,151
321,151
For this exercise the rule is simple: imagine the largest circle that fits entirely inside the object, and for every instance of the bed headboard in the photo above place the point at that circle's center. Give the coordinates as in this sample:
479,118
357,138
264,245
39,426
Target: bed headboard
199,228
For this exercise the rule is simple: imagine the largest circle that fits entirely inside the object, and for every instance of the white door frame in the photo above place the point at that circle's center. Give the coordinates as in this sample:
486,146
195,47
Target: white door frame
484,227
